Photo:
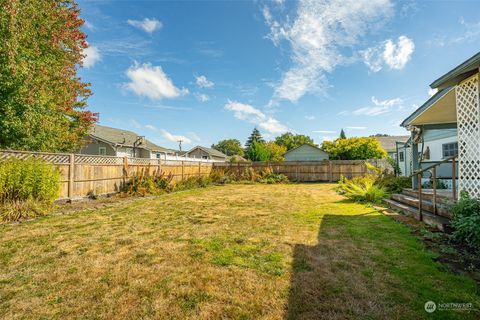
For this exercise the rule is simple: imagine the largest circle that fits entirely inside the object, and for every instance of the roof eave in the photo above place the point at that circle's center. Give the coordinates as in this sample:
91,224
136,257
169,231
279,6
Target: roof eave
459,73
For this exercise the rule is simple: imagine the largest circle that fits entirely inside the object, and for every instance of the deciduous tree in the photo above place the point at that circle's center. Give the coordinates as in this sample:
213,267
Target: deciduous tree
354,149
230,147
42,100
291,141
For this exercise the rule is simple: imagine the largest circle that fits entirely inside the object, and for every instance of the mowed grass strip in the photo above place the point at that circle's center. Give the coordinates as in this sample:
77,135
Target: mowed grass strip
295,251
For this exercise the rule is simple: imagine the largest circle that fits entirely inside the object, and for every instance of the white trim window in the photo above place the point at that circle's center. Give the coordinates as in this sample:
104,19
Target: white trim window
102,151
449,149
401,156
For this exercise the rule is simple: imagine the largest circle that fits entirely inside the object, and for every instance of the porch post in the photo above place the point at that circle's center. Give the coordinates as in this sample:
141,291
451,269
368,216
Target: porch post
415,165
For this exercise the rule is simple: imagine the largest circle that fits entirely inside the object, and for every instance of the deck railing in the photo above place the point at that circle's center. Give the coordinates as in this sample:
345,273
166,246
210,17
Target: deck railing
418,175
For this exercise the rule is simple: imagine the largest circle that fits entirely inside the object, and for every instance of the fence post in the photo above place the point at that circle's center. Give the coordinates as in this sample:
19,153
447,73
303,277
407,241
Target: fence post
330,169
71,177
182,170
159,167
125,170
199,169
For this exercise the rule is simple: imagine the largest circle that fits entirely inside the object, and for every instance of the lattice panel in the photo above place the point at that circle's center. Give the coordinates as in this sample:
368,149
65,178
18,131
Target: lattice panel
468,122
143,161
89,159
56,158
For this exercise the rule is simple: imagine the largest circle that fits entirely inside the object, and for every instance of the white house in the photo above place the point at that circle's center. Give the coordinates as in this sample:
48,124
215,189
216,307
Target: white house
306,152
455,106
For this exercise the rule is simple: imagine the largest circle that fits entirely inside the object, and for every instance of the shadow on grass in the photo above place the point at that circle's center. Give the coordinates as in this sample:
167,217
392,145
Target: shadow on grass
367,267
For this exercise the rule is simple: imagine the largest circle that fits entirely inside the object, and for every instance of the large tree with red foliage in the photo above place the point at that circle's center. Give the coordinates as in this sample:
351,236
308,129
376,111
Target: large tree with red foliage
42,100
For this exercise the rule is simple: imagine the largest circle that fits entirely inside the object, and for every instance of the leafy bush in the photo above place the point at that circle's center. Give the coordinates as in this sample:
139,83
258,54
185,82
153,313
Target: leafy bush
362,189
28,188
270,177
466,220
192,183
148,184
354,149
394,184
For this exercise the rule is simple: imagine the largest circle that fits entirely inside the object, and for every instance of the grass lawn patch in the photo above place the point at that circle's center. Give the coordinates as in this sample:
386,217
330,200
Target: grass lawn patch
292,251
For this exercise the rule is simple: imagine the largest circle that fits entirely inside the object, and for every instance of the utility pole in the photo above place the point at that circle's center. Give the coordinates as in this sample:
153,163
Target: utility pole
180,144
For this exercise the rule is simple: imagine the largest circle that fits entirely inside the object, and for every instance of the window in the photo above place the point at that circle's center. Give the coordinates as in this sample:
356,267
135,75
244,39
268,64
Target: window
449,149
401,156
102,151
204,157
158,155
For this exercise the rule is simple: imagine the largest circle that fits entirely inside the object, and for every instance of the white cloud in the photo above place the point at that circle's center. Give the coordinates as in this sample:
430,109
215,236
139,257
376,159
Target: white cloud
151,127
248,113
310,117
203,82
431,92
356,128
134,123
92,56
388,53
201,97
175,138
379,107
319,35
150,81
324,131
147,25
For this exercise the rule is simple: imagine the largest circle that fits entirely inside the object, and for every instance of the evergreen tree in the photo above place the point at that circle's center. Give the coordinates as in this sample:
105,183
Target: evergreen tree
342,134
255,136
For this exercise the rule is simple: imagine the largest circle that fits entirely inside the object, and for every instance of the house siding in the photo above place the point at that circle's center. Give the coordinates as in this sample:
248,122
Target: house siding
92,147
306,153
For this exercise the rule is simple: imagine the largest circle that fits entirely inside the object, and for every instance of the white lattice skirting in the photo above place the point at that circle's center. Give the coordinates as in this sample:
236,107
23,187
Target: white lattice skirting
468,122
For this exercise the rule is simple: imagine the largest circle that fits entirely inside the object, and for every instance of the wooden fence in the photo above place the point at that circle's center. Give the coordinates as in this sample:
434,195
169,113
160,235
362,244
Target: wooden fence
81,174
308,171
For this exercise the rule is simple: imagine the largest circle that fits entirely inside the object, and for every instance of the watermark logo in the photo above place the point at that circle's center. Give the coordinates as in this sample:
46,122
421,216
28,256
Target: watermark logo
430,306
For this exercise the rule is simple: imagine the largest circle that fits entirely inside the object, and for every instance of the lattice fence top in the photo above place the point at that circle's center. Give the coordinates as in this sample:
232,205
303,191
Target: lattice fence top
468,123
57,158
89,159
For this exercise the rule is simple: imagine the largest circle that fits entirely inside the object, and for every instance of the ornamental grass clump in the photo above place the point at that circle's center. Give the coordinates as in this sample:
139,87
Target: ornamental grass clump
367,188
28,188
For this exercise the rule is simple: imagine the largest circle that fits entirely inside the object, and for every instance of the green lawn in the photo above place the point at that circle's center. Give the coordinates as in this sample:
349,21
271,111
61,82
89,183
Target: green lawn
295,251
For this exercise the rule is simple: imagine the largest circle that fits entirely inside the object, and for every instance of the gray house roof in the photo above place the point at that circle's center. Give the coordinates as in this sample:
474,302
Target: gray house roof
459,73
210,151
437,96
389,143
123,138
305,144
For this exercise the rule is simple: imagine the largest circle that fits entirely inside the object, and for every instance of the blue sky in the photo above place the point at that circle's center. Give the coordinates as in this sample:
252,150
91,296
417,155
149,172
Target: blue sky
209,70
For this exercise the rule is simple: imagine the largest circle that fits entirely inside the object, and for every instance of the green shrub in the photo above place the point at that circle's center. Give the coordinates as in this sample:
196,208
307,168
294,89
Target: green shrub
192,183
394,184
362,189
270,177
27,188
148,184
466,220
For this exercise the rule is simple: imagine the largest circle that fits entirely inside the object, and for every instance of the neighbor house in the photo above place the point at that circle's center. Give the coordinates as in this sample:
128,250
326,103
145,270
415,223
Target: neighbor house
102,140
306,152
205,153
389,144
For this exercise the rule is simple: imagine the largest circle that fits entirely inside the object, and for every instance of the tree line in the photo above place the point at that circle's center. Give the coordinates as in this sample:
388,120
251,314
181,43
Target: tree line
258,149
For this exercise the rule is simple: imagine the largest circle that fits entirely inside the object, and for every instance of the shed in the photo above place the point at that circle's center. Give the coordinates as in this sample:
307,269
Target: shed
306,152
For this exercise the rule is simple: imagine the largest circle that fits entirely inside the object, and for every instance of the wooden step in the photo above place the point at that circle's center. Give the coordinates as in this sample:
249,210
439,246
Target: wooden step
428,195
442,209
436,221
